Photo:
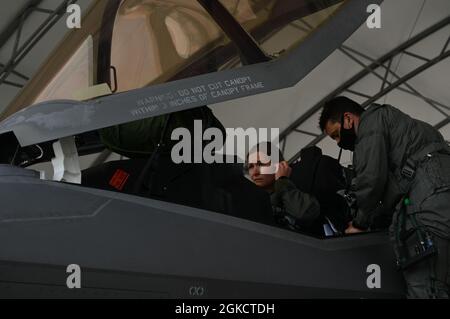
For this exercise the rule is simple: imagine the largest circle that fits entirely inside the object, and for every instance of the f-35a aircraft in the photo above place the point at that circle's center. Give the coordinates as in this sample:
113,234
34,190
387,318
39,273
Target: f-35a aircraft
136,59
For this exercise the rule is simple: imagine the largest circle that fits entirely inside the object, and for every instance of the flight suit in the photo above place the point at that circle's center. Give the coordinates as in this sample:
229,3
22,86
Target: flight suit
293,208
406,162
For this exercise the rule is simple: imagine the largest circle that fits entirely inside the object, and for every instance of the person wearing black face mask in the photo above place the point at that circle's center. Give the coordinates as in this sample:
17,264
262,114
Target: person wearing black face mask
347,136
402,166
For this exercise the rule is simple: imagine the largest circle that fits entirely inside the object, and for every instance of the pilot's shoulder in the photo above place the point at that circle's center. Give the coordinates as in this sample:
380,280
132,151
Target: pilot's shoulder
379,113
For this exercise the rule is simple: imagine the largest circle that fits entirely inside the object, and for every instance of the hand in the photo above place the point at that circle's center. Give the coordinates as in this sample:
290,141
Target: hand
353,230
284,170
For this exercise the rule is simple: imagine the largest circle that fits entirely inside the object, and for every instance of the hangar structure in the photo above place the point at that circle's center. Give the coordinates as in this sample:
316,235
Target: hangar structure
404,63
139,59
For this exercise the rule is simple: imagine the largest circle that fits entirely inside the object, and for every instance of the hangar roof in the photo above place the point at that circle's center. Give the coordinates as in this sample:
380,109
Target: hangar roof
424,95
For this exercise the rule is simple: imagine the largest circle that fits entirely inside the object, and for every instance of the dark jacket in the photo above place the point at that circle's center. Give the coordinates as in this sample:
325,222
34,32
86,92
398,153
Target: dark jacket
387,138
292,207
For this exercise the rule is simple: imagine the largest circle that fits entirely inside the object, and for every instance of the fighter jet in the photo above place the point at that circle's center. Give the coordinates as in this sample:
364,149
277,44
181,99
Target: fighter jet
199,231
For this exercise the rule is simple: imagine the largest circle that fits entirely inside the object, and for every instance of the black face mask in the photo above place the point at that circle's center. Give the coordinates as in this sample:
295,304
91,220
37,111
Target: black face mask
347,138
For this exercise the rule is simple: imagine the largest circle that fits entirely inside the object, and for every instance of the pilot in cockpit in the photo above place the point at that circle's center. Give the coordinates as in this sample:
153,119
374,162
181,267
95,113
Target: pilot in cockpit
292,208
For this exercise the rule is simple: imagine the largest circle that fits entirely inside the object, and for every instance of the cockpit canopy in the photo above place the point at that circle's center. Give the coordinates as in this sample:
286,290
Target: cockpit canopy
132,44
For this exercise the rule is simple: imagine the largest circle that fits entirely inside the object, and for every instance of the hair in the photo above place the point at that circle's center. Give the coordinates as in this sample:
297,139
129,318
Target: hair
264,147
334,109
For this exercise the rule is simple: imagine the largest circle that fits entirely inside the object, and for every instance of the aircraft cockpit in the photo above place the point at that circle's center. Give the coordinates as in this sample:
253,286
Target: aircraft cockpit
142,43
140,225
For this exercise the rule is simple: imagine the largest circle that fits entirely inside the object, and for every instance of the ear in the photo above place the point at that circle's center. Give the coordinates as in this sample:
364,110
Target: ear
350,116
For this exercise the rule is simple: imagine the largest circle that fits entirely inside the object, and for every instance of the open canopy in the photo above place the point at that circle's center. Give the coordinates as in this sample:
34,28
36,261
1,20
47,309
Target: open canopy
164,56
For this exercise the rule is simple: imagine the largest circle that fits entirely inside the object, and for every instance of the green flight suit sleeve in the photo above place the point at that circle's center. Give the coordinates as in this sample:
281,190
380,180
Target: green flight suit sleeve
372,170
302,206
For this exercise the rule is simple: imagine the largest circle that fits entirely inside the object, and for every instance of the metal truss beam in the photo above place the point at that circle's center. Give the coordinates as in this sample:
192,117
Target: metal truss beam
22,46
386,91
14,25
411,90
385,62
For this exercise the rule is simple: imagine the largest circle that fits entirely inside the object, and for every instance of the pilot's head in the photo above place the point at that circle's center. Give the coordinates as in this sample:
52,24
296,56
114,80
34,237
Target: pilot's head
340,120
262,164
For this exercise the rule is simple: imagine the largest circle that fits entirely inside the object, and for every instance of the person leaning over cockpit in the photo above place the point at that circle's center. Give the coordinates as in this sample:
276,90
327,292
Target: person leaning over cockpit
402,168
291,207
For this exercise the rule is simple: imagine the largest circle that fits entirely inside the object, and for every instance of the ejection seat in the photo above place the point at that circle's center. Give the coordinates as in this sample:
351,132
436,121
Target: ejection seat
323,176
